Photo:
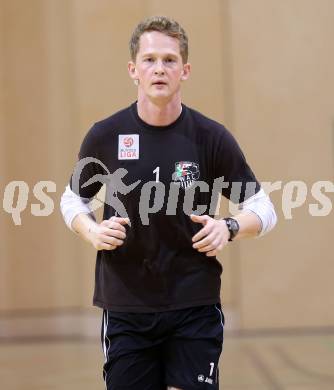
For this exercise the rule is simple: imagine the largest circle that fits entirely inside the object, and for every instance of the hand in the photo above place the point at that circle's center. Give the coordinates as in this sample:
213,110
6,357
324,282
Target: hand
109,234
212,237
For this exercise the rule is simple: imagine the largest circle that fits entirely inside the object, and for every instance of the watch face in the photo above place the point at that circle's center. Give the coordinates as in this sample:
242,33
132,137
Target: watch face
234,225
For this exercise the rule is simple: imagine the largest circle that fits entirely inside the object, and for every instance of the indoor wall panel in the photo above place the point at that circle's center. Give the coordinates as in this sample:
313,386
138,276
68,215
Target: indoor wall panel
283,83
30,263
3,176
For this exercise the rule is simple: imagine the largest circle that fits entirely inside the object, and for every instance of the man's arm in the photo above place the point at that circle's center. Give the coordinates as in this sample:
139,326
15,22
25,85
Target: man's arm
257,217
250,225
107,235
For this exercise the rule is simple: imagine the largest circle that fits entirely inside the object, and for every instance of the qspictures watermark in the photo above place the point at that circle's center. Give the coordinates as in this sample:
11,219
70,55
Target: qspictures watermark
293,196
16,195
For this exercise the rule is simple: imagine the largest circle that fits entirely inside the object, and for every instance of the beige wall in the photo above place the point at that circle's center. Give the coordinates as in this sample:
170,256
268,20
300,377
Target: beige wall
282,62
3,263
263,68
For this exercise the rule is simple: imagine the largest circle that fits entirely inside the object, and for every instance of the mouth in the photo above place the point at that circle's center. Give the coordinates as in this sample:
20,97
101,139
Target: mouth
159,83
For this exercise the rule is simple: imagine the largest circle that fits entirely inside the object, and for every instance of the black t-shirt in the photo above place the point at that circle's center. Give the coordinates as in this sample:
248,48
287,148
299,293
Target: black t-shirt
156,269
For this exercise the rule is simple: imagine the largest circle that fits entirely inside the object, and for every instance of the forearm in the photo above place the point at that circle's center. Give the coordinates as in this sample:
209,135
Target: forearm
83,224
250,225
257,217
107,235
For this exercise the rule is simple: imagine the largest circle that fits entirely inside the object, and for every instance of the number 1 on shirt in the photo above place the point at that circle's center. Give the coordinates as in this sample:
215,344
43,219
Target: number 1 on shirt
157,171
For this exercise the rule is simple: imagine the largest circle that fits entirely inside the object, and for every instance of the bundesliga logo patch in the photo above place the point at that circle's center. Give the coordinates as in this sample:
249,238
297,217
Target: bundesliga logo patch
128,147
186,172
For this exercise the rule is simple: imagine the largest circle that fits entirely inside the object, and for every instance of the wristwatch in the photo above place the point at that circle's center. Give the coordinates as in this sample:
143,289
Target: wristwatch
232,226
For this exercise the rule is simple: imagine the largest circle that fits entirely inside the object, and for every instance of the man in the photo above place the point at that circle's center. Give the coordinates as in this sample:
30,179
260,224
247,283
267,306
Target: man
157,276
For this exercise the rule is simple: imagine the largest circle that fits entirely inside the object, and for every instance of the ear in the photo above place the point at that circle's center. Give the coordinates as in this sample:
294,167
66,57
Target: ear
186,72
132,70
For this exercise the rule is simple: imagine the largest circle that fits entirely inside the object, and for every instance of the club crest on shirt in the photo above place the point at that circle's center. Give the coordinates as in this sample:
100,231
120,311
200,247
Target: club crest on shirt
128,146
186,172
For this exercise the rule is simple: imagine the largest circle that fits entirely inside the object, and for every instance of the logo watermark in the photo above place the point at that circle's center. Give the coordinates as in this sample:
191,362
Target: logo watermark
155,195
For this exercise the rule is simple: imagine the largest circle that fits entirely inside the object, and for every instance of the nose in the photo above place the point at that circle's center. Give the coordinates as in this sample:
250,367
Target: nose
159,69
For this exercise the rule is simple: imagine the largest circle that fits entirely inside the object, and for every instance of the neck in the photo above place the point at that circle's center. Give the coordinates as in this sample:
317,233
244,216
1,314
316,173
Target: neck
159,113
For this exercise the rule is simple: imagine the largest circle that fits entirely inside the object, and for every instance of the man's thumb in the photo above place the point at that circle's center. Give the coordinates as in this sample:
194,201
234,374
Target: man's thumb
198,218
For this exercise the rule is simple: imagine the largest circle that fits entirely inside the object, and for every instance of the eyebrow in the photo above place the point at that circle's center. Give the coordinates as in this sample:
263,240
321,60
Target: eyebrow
154,54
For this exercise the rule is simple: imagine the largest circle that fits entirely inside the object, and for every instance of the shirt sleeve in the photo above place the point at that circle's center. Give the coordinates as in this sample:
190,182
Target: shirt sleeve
86,179
240,182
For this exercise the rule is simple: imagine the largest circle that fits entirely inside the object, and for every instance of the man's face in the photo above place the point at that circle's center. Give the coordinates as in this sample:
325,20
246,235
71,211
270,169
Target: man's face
158,67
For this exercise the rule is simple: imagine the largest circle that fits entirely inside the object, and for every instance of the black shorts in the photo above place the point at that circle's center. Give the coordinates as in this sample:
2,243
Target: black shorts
150,351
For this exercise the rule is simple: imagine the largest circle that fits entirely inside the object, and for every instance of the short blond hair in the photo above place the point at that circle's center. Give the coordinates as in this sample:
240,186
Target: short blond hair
164,25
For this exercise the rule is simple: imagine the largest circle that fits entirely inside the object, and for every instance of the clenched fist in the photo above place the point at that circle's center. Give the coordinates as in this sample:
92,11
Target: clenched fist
109,234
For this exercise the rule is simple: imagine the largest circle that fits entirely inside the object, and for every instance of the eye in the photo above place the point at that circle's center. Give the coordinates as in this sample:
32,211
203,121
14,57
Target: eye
148,59
169,60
